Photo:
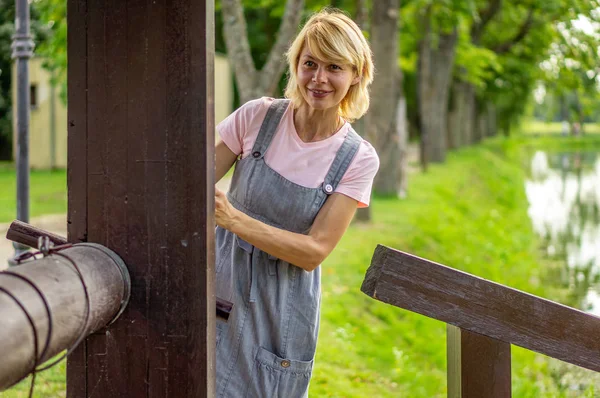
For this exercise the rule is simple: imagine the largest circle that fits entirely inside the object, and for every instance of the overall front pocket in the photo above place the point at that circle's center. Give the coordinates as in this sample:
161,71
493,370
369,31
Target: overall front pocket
274,376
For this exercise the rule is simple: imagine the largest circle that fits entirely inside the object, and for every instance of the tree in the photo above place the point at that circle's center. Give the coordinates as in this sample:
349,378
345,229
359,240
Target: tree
436,48
252,83
385,130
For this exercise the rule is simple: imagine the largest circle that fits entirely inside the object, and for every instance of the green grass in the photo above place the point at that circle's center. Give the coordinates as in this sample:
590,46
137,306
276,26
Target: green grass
48,384
549,128
48,192
470,213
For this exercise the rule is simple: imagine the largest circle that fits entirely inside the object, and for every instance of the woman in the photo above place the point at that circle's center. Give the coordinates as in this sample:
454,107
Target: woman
300,174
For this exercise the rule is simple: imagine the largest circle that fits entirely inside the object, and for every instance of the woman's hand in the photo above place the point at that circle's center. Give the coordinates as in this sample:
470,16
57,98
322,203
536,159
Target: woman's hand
225,213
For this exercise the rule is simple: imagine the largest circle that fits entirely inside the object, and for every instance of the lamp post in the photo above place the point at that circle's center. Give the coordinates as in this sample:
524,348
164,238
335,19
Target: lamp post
22,49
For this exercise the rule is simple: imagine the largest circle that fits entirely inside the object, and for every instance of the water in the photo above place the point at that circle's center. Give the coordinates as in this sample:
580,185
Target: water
564,201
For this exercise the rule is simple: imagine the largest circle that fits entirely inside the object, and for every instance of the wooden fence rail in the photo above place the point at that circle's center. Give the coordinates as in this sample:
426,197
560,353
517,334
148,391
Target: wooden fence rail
489,318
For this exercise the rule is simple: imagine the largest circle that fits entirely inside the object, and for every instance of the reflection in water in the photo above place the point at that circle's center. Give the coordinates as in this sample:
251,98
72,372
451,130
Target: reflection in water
564,203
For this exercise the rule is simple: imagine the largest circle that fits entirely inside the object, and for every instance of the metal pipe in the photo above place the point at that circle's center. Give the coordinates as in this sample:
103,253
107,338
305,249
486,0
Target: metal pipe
22,49
53,302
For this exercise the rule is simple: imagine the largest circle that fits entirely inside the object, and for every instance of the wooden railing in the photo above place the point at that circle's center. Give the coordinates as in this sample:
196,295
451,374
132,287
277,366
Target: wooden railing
484,318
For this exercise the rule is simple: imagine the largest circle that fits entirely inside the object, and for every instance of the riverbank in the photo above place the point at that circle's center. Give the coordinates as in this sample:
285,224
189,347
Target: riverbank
471,214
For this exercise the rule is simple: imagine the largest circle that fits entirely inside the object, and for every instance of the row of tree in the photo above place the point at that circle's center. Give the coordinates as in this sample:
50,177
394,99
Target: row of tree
448,73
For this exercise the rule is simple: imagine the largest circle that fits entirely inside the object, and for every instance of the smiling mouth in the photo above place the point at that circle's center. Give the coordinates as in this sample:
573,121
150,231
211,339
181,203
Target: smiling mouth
319,92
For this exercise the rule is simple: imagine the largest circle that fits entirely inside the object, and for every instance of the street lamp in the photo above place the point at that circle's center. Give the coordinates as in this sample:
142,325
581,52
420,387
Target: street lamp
22,49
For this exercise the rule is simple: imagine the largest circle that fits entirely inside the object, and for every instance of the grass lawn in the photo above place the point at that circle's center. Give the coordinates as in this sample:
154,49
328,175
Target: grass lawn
470,213
48,192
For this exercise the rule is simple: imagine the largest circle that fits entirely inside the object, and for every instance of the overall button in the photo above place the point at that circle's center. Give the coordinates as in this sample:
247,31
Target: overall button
285,363
328,188
256,154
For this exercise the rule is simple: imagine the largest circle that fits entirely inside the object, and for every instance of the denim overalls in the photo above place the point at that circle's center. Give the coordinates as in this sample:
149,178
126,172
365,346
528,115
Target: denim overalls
267,347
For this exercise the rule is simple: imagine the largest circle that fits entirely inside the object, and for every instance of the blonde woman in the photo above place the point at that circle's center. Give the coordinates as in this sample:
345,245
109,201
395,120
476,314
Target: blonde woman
301,171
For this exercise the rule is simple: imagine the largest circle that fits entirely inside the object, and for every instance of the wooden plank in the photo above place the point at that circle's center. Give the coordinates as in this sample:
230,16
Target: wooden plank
98,116
144,112
190,184
484,307
478,366
28,235
77,162
150,192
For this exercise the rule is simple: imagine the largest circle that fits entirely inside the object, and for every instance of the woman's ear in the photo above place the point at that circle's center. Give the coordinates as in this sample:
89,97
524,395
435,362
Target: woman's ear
355,80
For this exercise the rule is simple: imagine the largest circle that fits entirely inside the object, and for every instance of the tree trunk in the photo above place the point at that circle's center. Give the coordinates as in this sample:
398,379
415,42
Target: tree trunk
478,132
402,126
434,74
460,118
456,111
382,129
362,15
468,133
480,125
492,123
362,20
250,82
363,214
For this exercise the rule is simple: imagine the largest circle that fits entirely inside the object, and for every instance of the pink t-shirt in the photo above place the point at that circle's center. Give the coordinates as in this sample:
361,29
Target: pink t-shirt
304,163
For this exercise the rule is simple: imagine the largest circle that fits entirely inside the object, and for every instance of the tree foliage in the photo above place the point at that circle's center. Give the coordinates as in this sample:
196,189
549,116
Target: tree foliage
505,48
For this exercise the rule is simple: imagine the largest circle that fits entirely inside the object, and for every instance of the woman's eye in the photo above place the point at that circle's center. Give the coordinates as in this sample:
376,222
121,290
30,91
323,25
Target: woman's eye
309,63
335,67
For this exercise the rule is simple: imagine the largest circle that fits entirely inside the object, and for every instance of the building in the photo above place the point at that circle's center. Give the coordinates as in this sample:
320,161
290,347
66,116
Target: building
48,117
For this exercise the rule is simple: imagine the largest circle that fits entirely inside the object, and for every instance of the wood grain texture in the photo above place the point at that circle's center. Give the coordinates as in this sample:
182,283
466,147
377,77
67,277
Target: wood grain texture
478,366
484,307
77,19
149,194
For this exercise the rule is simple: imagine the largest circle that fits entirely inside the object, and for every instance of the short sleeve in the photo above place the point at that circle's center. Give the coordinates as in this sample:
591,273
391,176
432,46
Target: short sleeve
357,182
234,130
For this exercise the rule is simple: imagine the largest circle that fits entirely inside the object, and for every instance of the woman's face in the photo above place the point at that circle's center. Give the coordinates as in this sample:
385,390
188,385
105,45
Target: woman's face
323,84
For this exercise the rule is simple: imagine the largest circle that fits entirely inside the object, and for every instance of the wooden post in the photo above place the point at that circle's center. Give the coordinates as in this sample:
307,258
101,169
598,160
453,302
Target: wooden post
46,298
141,182
478,366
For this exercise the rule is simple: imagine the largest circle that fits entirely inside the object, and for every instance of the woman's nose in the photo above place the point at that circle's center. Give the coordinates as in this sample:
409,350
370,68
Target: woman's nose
319,76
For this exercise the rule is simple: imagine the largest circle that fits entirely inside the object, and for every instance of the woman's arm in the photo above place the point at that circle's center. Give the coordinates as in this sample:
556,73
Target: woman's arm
304,251
225,159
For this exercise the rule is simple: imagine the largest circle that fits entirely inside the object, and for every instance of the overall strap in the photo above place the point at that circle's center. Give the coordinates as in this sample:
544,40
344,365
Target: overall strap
342,160
269,127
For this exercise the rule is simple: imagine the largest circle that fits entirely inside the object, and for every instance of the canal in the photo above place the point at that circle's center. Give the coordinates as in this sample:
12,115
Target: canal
563,190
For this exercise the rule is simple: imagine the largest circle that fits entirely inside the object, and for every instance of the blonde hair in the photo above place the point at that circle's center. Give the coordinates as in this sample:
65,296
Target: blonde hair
333,36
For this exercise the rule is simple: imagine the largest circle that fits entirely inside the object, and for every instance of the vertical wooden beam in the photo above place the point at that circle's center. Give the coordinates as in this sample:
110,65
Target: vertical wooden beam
77,164
141,182
478,366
